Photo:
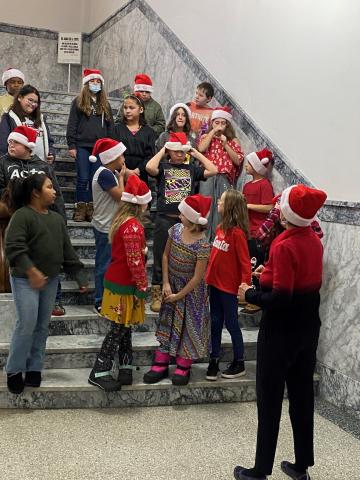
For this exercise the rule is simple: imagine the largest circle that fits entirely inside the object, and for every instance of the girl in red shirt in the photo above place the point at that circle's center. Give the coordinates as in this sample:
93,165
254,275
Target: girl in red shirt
125,284
229,264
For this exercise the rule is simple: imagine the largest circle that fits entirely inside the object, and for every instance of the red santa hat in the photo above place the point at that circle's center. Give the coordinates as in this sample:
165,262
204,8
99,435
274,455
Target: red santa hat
91,74
107,149
299,204
221,112
196,208
180,105
24,135
136,191
260,161
178,141
143,83
12,73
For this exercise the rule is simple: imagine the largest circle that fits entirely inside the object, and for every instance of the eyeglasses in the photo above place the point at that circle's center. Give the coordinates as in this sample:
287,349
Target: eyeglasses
32,102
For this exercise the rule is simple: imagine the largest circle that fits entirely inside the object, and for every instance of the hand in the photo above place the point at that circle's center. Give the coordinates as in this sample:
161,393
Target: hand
173,297
217,130
242,290
83,289
72,152
133,172
258,271
50,159
122,171
36,278
166,290
223,140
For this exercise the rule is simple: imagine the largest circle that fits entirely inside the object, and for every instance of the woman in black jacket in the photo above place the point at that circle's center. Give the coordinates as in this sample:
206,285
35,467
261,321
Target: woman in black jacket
90,119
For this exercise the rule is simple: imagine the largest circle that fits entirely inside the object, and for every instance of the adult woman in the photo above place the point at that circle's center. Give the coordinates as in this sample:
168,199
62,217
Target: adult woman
26,111
289,332
90,119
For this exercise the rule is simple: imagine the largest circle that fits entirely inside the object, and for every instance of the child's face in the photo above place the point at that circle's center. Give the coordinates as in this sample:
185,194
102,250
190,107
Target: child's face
201,98
13,85
180,118
28,103
219,124
220,204
48,193
177,156
145,96
249,169
144,208
185,221
18,150
132,110
119,162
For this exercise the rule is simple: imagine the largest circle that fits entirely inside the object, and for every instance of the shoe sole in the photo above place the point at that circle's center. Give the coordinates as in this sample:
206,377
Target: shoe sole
92,382
236,375
152,382
212,378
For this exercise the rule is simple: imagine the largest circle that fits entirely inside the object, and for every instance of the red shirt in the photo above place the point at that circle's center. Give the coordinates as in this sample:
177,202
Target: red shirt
127,271
259,192
229,264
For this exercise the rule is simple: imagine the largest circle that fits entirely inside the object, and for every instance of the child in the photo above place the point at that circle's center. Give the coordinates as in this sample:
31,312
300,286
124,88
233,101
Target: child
221,146
37,245
154,115
184,325
12,79
107,188
200,110
229,266
125,286
258,194
136,135
176,181
25,110
90,119
179,121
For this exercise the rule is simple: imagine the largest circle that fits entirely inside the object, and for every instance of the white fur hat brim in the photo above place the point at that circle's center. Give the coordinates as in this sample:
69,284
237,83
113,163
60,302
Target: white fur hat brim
258,165
18,137
109,155
192,215
93,76
180,105
221,114
138,87
177,146
12,73
136,199
289,214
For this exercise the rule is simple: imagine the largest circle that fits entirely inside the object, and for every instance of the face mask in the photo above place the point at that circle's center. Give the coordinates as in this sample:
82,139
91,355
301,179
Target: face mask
94,87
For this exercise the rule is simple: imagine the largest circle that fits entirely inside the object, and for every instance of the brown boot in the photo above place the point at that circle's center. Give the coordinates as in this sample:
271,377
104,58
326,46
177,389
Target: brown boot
155,298
250,309
89,211
80,212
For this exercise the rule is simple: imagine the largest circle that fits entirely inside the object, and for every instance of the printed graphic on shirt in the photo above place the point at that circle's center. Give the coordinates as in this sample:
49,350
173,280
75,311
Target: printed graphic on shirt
17,172
177,185
220,243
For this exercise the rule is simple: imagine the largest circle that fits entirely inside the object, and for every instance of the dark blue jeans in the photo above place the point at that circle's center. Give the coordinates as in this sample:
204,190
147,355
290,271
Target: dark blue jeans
84,174
224,308
102,260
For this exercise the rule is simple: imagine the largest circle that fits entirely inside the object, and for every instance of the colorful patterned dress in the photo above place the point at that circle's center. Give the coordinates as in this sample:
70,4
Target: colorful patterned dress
184,326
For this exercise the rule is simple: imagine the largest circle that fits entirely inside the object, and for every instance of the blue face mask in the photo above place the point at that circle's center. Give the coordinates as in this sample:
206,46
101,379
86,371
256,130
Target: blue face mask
94,87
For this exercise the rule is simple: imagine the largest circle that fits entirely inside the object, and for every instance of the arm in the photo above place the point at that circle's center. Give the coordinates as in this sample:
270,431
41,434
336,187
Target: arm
152,166
72,126
5,130
260,208
199,275
210,168
135,258
165,269
50,140
266,228
160,142
233,149
16,242
242,252
159,121
205,141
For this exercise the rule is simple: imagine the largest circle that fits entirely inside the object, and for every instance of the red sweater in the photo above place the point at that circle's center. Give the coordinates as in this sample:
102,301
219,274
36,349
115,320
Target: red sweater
127,271
259,192
229,263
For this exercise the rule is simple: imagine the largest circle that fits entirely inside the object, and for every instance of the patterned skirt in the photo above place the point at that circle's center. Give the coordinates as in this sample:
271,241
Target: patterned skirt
127,310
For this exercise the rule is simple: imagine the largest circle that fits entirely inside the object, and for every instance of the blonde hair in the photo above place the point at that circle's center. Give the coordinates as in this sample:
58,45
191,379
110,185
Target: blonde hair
84,101
126,210
235,212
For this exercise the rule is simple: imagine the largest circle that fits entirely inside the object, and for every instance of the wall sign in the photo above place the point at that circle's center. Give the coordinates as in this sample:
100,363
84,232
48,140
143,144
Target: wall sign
69,48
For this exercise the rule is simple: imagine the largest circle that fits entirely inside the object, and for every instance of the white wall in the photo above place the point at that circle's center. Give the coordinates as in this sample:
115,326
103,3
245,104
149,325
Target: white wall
100,10
294,68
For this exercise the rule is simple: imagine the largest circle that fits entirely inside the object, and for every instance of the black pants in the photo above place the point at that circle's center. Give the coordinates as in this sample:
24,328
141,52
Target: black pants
162,225
118,338
285,358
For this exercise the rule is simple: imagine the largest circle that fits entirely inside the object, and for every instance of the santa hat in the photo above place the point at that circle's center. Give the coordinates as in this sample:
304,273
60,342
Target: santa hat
24,135
107,149
221,112
180,105
196,208
12,73
136,191
260,160
143,83
89,74
299,204
178,141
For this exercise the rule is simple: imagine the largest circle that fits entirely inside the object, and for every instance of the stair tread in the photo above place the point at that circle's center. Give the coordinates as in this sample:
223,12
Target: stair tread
71,223
70,286
76,379
66,174
92,342
85,242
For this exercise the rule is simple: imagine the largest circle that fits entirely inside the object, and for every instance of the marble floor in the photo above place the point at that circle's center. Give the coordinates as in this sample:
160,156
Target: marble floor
200,442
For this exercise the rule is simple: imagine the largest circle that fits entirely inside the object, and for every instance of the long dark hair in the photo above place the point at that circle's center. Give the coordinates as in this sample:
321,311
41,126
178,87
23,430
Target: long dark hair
35,116
20,190
138,100
172,127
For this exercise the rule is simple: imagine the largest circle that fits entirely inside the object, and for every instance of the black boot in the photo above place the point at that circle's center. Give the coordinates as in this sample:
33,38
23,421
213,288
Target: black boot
15,383
213,370
294,472
101,377
125,376
33,379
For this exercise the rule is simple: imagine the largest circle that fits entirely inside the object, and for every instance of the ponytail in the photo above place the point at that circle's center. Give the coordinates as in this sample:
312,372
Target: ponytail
20,190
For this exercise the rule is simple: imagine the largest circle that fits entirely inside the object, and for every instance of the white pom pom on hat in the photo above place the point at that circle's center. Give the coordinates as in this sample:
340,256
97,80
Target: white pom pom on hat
107,149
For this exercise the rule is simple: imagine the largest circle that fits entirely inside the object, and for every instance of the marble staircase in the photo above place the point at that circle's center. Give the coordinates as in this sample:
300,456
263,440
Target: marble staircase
76,337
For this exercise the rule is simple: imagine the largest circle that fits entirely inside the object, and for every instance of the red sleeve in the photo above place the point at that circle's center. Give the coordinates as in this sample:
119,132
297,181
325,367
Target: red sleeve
237,149
133,242
243,255
267,193
284,268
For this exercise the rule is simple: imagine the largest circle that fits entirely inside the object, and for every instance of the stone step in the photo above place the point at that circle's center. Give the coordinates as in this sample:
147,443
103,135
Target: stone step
55,116
61,149
69,388
85,247
52,98
66,178
58,138
79,351
63,164
68,193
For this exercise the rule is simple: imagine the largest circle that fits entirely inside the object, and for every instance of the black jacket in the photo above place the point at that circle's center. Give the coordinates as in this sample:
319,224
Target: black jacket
15,168
83,131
